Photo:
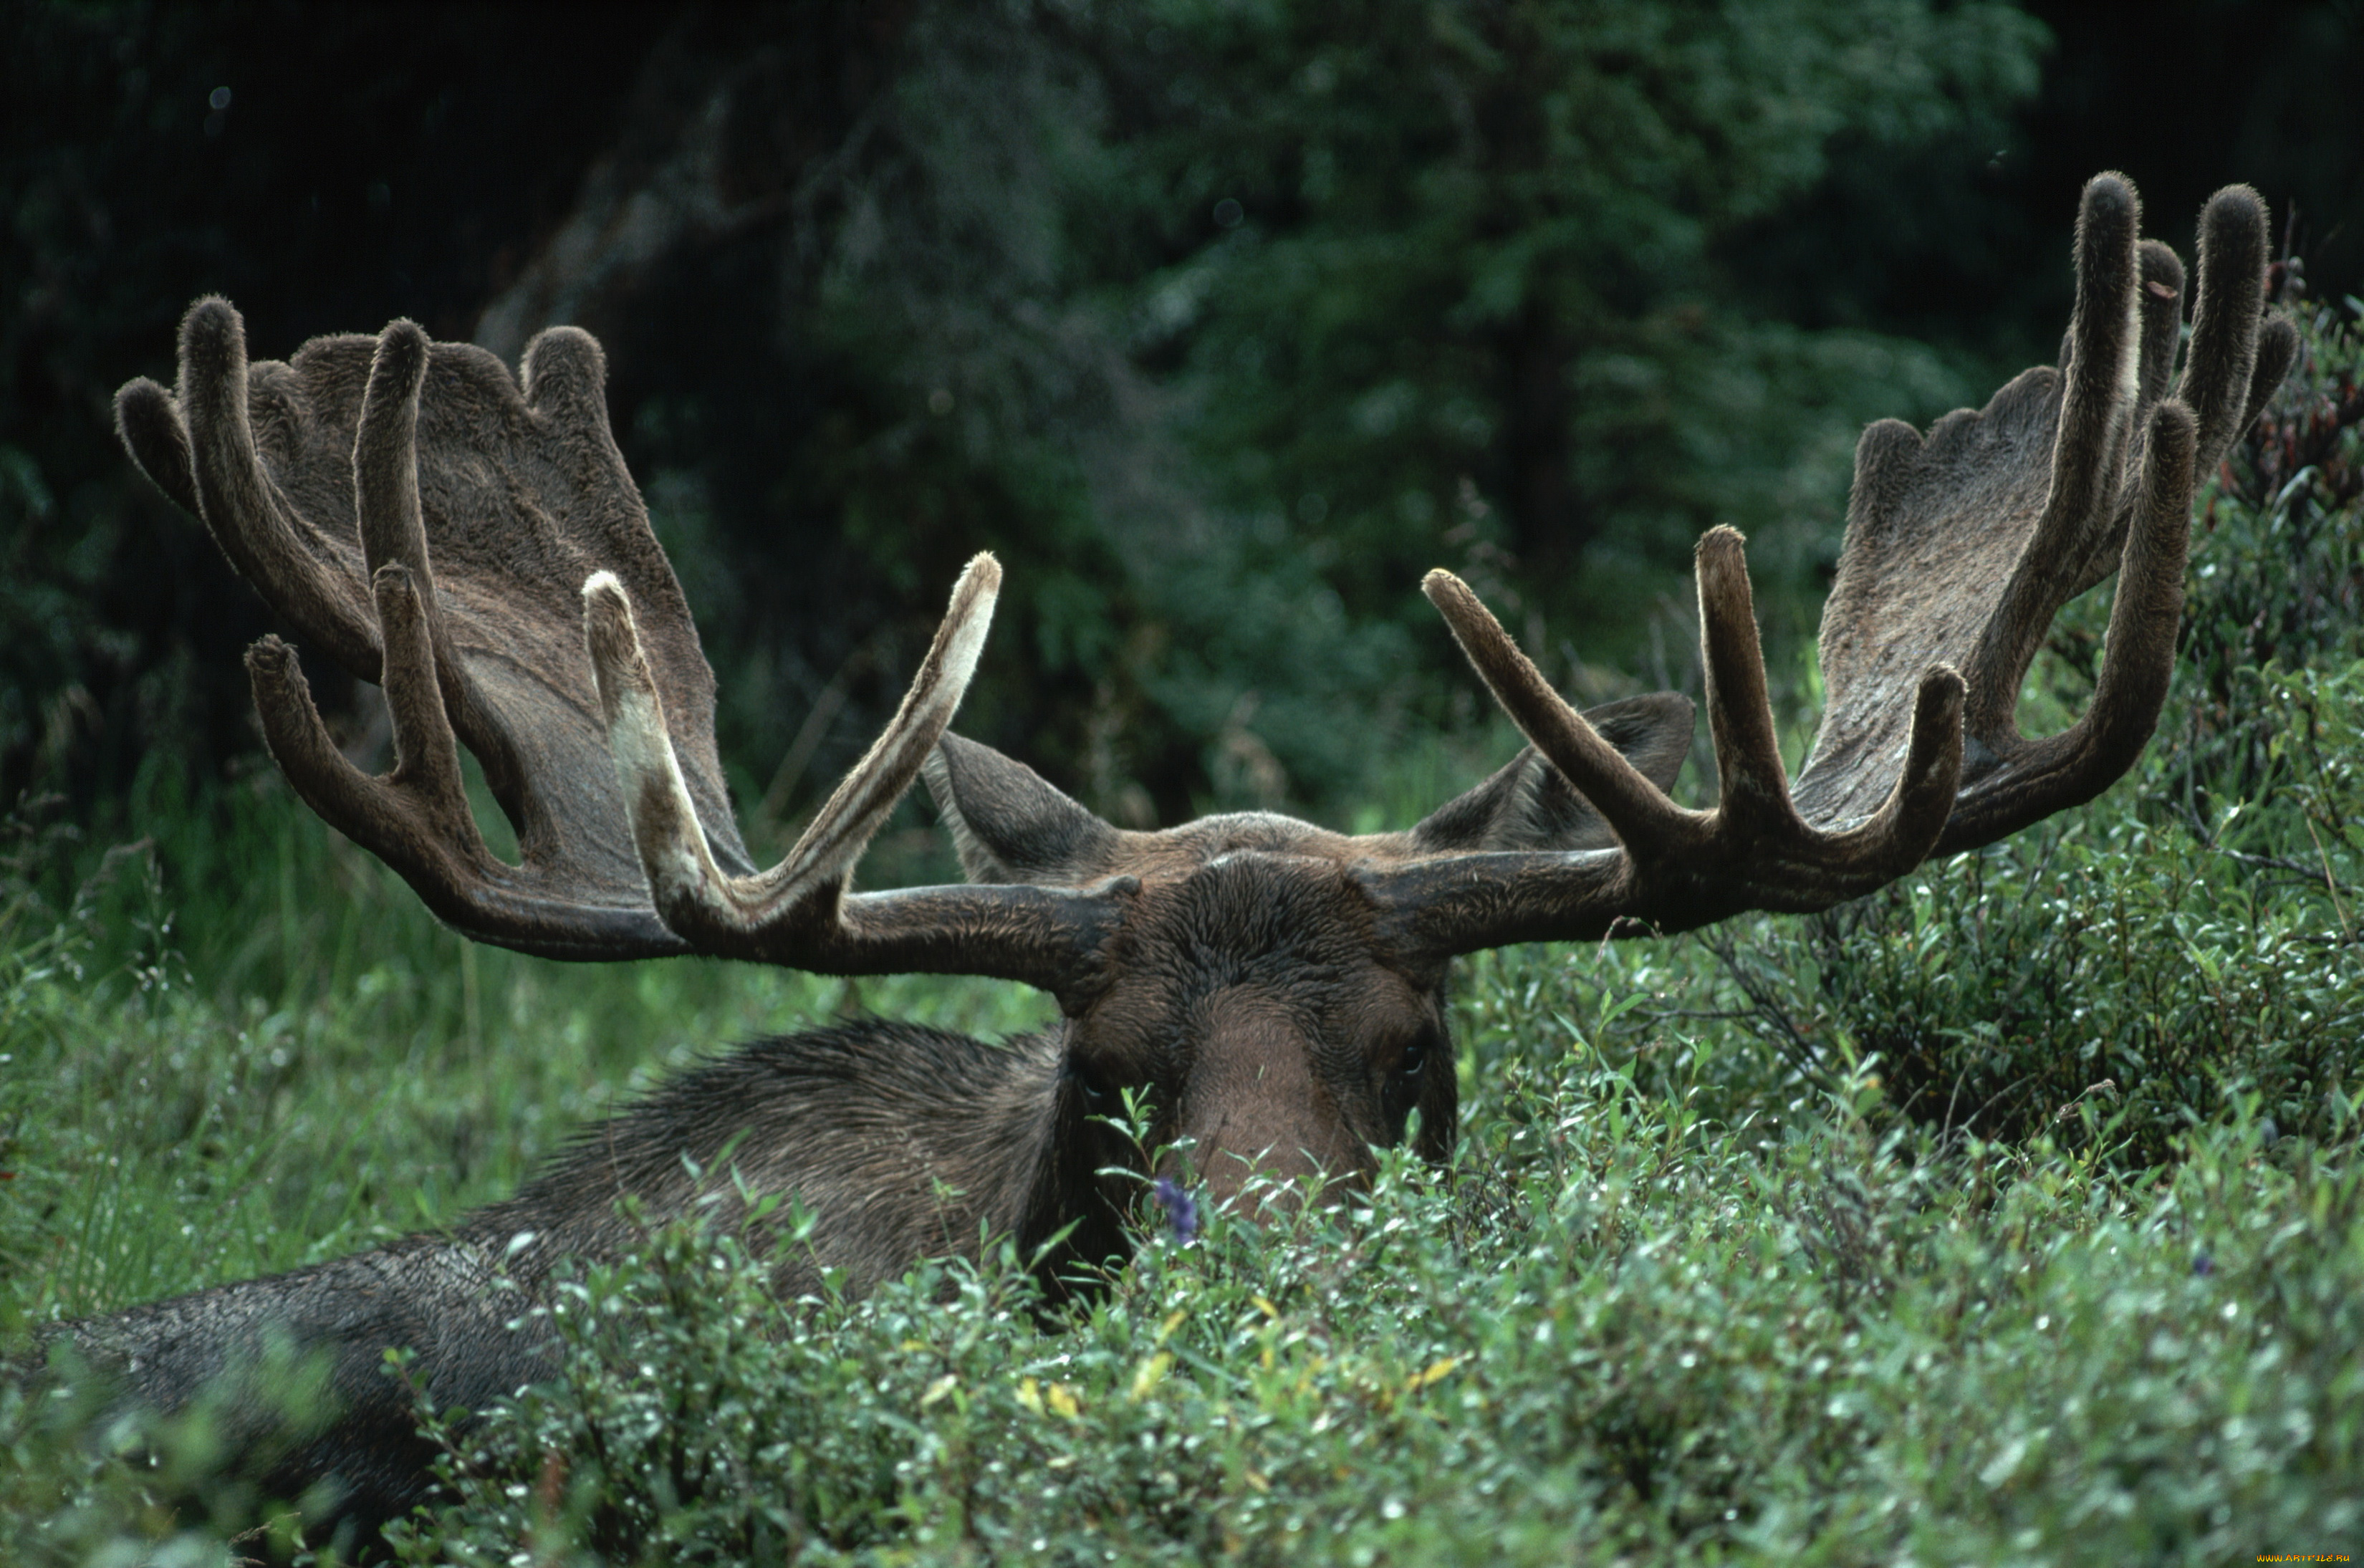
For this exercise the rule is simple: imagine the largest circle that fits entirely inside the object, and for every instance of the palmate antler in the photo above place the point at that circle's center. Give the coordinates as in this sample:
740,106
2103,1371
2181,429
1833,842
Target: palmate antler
432,527
1961,548
444,570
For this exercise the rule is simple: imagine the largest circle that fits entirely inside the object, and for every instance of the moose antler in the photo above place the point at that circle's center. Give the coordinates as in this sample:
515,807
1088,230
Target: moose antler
440,531
1959,550
436,529
444,570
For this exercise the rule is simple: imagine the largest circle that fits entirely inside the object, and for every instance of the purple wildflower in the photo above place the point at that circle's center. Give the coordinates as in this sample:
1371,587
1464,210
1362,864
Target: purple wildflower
1181,1208
2202,1265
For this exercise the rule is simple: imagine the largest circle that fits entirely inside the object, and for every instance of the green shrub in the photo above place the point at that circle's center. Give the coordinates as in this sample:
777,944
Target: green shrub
1670,1299
1669,1335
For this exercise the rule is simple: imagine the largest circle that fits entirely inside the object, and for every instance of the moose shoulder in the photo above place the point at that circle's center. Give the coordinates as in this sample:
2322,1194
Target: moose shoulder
1271,991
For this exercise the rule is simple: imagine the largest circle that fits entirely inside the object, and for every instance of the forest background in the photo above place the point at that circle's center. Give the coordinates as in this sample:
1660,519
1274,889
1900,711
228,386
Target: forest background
1220,323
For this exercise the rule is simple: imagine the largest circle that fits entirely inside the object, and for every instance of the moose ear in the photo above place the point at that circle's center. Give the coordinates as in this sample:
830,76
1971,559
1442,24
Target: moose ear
1528,806
1009,824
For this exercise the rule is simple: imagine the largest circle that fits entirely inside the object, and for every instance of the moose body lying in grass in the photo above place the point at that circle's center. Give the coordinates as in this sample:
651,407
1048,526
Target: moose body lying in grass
1272,992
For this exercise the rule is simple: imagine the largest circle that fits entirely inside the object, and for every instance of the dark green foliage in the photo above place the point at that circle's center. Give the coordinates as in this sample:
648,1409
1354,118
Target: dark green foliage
1222,323
1473,285
1652,1336
1669,1299
983,293
242,1045
2278,581
1636,1329
2129,975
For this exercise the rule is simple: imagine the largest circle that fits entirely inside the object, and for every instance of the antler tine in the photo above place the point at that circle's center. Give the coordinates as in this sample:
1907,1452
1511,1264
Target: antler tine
385,447
393,531
2138,663
1906,829
791,913
386,494
2276,351
2102,369
417,672
2138,657
673,853
417,816
2233,245
842,830
1751,782
566,381
2162,302
1755,798
151,429
2236,362
1633,806
2101,378
240,507
2218,371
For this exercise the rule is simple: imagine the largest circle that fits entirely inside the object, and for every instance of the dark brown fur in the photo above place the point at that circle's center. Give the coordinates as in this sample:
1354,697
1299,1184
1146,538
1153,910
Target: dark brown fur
902,1142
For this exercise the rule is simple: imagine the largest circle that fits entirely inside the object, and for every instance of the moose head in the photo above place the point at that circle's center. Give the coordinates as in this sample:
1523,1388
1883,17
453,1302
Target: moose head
1273,991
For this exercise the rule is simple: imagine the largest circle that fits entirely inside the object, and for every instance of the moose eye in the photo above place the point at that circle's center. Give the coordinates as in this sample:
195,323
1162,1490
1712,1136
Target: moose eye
1097,1094
1415,1059
1401,1091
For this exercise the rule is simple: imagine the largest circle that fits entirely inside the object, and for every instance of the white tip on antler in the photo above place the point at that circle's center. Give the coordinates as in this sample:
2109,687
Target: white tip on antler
666,830
841,829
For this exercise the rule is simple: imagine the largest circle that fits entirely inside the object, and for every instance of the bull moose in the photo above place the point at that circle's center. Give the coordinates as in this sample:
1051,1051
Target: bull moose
1272,990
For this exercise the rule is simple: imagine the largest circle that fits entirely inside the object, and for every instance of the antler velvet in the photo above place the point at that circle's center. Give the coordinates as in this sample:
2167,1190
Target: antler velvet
432,525
422,520
436,528
1961,548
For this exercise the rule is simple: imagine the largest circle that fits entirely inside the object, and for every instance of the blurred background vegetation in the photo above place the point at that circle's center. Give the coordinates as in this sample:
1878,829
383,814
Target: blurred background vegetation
1221,322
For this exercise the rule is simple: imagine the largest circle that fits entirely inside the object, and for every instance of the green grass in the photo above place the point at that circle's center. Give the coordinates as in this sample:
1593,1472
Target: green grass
243,1046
